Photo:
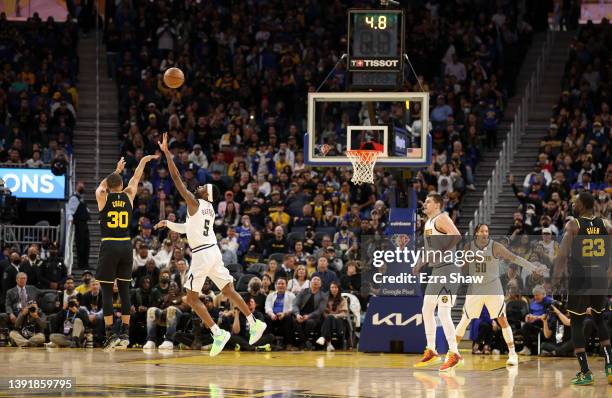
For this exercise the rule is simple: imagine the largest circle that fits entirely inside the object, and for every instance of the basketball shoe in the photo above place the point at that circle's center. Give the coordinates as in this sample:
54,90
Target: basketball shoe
430,357
452,360
583,379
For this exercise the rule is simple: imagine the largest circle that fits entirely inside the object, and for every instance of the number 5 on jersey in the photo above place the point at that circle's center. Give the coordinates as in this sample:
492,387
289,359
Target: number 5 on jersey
206,227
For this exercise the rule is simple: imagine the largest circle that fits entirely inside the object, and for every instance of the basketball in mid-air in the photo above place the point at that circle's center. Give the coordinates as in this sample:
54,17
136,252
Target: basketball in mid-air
174,78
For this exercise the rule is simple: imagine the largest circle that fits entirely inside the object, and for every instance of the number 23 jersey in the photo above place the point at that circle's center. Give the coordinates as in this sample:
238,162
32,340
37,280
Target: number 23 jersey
116,216
199,227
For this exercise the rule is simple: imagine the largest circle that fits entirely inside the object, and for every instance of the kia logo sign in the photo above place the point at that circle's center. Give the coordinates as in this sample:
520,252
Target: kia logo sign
34,183
396,319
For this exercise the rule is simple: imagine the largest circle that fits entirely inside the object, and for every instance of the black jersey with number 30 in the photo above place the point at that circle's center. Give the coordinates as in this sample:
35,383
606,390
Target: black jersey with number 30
590,254
116,215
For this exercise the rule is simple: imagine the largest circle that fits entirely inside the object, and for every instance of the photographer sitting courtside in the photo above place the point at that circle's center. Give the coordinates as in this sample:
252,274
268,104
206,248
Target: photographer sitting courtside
68,326
29,326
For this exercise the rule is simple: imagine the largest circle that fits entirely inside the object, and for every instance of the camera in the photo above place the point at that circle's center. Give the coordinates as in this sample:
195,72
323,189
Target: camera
558,304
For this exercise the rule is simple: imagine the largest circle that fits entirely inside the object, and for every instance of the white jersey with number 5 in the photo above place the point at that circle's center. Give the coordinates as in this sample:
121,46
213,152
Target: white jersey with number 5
199,227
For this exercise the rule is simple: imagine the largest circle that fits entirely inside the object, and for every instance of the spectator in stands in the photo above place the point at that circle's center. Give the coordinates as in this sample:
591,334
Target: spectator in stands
326,276
68,326
308,308
143,298
168,314
350,280
278,244
180,274
149,270
53,271
334,317
300,280
164,255
29,326
17,299
534,319
84,287
279,306
69,291
239,330
141,256
10,273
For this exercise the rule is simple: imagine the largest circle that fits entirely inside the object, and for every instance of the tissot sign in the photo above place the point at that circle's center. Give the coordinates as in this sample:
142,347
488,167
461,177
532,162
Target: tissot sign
374,64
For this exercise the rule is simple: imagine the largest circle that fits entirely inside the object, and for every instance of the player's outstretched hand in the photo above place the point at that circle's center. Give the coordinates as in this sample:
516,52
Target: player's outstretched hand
120,166
163,145
161,224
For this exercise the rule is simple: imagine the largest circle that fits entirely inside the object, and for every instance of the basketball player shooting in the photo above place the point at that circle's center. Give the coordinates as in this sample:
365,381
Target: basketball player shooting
206,260
441,235
490,292
115,260
586,248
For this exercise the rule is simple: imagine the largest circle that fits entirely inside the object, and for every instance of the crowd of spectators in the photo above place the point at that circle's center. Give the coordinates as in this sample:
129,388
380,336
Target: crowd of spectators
38,95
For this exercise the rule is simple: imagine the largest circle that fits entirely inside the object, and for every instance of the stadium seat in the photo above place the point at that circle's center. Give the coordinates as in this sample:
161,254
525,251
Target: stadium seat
293,237
326,231
243,283
278,257
257,268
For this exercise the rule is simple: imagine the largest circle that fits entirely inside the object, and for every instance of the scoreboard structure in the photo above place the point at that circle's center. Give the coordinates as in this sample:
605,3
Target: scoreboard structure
375,48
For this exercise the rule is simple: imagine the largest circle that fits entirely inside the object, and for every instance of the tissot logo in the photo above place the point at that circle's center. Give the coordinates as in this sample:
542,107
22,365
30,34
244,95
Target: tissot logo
374,63
396,319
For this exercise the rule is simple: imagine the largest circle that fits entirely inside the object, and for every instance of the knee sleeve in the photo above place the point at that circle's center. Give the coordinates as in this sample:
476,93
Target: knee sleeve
107,298
124,295
578,331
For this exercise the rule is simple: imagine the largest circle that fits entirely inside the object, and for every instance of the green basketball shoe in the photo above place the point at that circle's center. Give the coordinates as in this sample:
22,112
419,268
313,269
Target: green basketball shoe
583,379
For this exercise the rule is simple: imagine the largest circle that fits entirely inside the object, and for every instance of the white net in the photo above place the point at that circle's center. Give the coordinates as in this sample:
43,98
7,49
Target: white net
363,165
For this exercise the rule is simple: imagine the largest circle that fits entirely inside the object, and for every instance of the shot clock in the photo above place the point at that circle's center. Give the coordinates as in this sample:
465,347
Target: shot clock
375,40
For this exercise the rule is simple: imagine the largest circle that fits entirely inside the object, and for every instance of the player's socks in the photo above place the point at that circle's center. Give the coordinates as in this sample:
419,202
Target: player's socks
251,319
582,360
216,331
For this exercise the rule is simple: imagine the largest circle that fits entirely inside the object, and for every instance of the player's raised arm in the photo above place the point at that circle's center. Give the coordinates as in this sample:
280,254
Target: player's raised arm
132,187
102,190
176,227
500,251
192,203
560,262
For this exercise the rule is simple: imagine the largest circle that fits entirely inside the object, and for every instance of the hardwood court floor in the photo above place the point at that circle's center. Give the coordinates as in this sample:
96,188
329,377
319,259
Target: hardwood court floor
132,373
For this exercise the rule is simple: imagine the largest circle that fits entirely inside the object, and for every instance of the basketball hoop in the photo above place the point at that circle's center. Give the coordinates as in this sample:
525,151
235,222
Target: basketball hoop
363,164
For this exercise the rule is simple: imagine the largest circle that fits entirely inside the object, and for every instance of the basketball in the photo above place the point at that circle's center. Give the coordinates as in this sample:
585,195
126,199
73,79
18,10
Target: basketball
174,77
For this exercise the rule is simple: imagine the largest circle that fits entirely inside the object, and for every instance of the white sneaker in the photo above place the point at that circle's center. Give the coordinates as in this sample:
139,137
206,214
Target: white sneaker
150,345
320,341
166,345
525,351
495,352
330,347
512,360
50,345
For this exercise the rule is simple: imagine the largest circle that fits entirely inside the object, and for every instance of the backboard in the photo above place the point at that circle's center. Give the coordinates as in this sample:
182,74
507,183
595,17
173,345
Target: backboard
389,122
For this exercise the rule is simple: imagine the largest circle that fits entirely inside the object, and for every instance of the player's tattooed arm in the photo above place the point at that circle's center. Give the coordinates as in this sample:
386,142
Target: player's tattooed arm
192,203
